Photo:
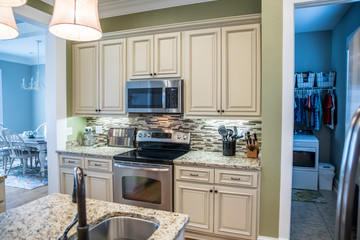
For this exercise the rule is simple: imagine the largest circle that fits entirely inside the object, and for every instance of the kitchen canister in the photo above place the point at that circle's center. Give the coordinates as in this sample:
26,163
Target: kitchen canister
229,148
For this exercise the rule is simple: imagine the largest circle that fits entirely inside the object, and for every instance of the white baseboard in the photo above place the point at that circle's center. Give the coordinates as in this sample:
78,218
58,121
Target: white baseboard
270,238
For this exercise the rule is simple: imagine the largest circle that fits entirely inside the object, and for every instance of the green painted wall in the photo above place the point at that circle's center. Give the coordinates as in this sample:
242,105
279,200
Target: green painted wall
40,5
78,125
216,9
271,116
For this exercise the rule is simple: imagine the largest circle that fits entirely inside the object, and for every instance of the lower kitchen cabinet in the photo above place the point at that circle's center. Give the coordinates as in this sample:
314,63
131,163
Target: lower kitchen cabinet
98,182
225,207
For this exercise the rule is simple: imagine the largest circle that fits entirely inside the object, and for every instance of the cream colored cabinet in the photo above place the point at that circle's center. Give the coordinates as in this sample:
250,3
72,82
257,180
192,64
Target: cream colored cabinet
221,203
99,77
221,70
97,173
195,200
202,71
154,56
241,70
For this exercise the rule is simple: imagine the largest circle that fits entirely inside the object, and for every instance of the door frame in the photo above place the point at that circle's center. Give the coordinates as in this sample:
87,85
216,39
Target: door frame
1,102
288,68
55,81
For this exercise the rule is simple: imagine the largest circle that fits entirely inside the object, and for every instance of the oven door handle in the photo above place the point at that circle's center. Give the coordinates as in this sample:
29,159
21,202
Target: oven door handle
147,168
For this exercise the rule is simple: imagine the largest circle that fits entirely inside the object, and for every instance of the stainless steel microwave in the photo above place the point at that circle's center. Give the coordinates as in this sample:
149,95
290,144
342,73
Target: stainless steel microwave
154,96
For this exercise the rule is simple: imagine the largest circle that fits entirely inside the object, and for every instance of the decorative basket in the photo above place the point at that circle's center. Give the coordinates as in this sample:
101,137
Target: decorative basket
325,79
305,80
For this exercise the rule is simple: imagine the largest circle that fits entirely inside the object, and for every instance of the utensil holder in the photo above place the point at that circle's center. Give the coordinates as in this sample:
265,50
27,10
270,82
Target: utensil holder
254,152
229,148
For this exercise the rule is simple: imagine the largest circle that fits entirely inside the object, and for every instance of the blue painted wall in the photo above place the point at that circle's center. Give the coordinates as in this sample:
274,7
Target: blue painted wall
313,53
23,110
17,103
349,23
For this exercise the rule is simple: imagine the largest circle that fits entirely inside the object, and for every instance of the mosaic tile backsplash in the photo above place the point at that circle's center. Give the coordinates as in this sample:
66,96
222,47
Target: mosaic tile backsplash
204,132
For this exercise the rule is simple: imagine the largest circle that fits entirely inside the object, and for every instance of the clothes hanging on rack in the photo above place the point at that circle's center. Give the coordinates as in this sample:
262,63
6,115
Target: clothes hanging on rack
310,111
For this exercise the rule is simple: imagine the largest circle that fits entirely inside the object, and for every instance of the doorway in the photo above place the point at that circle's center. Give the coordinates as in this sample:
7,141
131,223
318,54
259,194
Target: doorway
288,98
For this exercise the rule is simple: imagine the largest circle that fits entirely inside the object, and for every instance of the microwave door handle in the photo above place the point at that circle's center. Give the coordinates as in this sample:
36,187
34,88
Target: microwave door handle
147,168
164,97
348,173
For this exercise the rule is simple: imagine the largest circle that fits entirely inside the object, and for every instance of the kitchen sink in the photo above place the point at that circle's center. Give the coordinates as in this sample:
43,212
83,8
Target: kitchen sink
123,228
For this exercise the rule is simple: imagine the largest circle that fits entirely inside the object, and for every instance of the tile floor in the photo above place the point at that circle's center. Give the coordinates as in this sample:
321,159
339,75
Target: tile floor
314,220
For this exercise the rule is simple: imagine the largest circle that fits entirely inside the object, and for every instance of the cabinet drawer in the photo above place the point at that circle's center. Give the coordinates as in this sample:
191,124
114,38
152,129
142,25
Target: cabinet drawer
237,178
71,161
195,174
98,164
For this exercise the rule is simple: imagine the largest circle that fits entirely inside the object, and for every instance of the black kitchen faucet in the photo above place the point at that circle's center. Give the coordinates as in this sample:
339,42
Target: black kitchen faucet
78,196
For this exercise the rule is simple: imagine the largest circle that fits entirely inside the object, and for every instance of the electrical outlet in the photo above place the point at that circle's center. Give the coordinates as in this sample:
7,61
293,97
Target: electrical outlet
98,129
69,131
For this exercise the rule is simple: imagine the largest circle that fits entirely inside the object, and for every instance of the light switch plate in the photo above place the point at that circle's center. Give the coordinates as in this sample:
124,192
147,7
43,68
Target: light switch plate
69,131
98,129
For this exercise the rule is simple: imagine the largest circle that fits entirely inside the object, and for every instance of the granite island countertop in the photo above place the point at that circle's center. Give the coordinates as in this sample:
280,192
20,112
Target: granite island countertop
217,159
103,152
47,218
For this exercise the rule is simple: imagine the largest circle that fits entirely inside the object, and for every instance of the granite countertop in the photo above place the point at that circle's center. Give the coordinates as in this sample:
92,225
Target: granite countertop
47,218
216,159
3,177
104,152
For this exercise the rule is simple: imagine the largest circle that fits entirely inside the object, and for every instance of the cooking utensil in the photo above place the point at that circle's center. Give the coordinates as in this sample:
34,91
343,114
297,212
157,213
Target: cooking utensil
223,132
255,138
248,141
235,133
229,134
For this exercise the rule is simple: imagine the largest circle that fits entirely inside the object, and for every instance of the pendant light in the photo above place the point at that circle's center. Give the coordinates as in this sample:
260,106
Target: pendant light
8,28
76,20
12,3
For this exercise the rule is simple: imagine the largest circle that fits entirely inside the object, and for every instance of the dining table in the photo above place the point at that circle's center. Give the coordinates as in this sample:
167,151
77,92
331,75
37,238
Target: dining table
40,144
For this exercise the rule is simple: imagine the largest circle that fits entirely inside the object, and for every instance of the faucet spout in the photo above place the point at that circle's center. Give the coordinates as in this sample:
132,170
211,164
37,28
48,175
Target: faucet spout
83,227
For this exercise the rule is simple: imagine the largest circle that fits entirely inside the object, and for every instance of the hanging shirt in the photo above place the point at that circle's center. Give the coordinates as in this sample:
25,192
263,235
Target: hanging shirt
332,124
327,106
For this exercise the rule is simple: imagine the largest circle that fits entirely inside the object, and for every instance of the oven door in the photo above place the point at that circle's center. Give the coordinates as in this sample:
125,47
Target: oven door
143,185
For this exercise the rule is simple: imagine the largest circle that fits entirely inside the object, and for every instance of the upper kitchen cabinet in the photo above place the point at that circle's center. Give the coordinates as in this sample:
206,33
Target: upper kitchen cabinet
221,70
241,70
99,77
154,56
202,71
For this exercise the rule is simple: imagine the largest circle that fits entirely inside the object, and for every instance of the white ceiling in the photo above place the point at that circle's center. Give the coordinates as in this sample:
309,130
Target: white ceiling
23,49
320,18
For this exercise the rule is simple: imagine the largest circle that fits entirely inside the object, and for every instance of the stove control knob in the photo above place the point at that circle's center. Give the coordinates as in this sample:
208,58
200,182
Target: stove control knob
178,136
149,135
184,137
140,135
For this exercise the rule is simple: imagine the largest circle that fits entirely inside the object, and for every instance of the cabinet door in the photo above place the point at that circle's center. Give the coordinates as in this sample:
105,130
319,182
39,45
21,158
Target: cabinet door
241,70
167,55
202,72
85,78
235,212
112,76
140,57
99,186
195,200
66,180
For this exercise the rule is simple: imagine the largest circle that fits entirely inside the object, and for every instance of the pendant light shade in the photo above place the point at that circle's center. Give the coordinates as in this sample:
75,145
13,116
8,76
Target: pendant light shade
12,3
8,28
76,20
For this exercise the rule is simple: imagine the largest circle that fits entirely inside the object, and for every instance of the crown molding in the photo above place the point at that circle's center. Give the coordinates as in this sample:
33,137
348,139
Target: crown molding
124,7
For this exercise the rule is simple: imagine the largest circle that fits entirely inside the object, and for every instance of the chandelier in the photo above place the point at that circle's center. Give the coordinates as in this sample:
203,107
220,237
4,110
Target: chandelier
34,85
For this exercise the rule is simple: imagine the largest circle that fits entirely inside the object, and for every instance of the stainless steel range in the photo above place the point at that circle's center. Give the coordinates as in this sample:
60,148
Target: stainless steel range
144,177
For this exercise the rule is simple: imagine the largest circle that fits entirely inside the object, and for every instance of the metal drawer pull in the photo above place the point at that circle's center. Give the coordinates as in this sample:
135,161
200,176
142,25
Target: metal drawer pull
71,161
97,164
235,178
194,174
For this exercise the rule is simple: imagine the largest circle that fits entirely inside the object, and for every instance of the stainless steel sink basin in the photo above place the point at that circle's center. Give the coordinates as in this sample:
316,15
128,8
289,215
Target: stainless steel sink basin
123,228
